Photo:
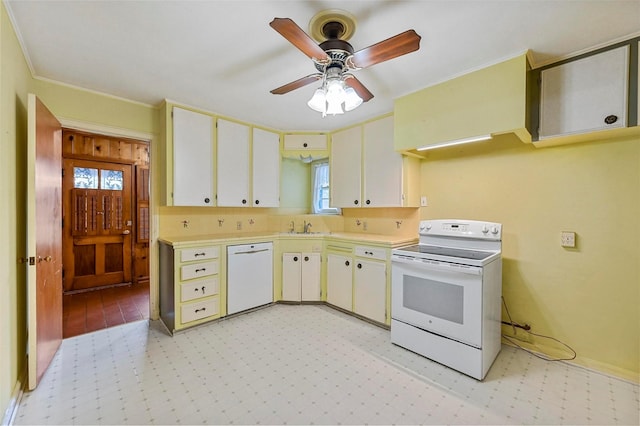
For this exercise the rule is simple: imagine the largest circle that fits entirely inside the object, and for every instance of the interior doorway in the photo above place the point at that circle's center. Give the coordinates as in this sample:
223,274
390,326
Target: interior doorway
105,238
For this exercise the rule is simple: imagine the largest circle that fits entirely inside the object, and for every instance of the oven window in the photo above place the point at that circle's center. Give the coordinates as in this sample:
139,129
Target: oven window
434,298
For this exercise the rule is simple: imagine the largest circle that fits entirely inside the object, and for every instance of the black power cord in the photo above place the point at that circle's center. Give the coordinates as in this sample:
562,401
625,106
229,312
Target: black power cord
527,328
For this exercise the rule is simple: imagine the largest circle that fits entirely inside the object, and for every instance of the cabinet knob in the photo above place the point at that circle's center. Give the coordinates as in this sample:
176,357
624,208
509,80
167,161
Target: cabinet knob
257,201
306,258
295,258
244,201
305,144
355,202
610,119
368,202
346,263
359,265
206,200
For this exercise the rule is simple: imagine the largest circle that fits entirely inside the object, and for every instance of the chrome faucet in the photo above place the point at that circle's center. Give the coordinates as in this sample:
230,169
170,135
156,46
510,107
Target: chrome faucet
306,227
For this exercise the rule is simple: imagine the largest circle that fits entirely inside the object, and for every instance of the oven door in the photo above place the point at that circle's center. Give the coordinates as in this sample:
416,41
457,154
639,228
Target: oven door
440,297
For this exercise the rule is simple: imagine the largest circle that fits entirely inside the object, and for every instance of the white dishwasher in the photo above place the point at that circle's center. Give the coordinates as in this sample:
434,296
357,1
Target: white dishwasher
249,276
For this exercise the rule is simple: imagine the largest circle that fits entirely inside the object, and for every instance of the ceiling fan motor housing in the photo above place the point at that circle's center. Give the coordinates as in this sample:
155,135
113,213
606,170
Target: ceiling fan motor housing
338,51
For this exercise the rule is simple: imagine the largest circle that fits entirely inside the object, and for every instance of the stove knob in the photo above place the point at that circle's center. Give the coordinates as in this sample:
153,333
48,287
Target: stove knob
494,230
485,229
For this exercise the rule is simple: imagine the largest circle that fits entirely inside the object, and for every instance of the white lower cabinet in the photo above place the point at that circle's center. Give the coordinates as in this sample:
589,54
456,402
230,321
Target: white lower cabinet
370,289
301,277
358,282
189,285
339,281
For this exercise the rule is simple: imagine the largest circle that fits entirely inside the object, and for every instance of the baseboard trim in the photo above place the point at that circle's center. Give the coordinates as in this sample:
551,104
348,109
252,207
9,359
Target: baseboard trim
14,402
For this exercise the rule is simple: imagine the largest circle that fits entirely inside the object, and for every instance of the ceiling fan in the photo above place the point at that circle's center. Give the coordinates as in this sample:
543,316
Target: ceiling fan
335,58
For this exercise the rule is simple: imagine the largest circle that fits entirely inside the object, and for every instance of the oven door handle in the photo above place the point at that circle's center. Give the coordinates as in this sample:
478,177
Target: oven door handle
426,264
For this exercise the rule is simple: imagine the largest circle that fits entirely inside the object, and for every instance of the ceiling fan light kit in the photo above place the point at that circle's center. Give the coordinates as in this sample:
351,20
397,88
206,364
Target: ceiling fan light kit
334,58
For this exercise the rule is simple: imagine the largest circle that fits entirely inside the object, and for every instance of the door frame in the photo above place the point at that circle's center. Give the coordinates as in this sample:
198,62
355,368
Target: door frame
106,130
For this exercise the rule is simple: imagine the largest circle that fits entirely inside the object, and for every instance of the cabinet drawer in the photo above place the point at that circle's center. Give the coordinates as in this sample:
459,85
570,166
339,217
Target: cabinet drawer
197,289
305,142
198,310
196,270
371,252
199,253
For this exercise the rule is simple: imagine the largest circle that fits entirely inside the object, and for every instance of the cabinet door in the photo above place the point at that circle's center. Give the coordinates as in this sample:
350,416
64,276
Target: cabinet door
346,167
382,166
233,164
310,276
266,168
293,142
339,281
370,288
585,95
193,162
291,269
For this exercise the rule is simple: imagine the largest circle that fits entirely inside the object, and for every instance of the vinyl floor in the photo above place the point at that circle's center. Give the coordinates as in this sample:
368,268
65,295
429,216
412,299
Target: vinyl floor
310,364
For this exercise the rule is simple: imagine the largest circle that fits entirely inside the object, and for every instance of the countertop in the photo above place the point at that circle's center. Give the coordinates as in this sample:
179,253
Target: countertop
391,241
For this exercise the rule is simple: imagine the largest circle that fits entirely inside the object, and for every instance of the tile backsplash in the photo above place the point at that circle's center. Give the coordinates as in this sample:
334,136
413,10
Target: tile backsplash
187,221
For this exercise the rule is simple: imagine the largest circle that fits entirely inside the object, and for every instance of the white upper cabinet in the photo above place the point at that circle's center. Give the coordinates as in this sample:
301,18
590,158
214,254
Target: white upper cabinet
193,159
346,167
366,171
266,168
585,95
305,142
233,164
382,166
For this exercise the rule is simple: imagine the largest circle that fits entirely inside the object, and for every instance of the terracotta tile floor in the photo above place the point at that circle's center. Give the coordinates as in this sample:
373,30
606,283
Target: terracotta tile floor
95,310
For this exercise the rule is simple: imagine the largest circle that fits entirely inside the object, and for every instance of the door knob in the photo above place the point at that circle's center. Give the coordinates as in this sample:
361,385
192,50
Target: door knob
44,259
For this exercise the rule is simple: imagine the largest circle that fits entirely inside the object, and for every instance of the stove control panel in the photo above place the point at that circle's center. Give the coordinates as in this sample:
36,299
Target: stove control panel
461,228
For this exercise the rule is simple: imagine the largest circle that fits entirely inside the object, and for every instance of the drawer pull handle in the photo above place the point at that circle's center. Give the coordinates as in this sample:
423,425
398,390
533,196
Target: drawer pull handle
199,254
200,310
201,270
196,289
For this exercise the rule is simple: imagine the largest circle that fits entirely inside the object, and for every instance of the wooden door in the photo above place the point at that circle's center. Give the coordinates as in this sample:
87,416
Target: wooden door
44,243
97,223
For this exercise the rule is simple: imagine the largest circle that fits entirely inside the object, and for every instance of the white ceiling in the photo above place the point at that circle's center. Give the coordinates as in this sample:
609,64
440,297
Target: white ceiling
222,56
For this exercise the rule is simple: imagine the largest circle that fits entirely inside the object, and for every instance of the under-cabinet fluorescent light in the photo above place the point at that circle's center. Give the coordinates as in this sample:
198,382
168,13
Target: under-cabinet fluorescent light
455,142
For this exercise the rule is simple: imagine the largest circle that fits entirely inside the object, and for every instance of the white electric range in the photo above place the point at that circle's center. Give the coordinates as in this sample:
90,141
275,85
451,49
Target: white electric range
446,294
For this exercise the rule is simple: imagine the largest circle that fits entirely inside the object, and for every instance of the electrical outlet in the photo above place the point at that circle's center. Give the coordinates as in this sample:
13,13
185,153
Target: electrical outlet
423,201
238,225
568,239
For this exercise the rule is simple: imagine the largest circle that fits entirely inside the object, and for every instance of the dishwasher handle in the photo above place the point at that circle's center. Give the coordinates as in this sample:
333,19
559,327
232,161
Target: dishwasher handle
251,251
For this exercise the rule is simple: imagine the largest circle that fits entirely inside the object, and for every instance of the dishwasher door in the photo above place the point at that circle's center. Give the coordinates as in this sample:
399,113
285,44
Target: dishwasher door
249,276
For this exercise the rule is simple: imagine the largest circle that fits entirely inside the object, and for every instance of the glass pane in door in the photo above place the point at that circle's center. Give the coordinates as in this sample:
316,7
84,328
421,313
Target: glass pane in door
85,178
111,179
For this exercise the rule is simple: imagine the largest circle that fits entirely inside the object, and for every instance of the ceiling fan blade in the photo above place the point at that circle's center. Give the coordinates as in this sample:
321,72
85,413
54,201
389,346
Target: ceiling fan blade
297,84
401,44
362,91
296,36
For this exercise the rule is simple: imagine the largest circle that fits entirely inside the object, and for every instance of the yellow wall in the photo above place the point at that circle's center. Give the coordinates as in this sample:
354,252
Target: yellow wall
588,297
67,103
15,83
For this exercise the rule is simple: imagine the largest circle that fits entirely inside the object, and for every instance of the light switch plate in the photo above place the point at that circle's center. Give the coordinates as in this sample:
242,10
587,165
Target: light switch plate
568,239
423,201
